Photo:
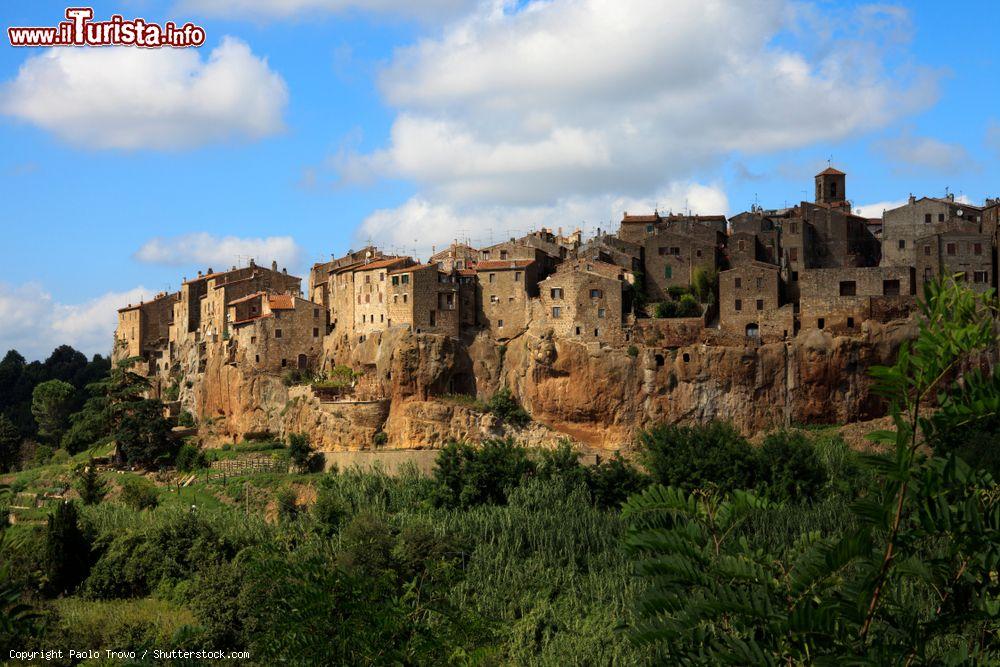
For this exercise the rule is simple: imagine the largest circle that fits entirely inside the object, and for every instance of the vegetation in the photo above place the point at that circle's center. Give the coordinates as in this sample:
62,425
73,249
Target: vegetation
686,306
89,483
505,407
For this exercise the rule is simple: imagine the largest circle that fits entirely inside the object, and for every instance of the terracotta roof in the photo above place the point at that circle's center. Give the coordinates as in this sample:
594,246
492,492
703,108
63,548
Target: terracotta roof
501,264
830,171
281,301
413,267
466,272
382,263
248,297
641,218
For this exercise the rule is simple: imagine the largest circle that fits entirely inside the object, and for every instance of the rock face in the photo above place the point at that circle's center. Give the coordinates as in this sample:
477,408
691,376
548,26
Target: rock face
596,395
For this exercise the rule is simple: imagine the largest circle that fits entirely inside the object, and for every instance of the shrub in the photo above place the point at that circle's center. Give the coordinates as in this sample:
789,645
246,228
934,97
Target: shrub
302,453
561,463
665,309
633,351
330,509
286,500
190,457
697,457
688,306
185,418
59,456
139,493
67,552
677,291
172,393
612,481
506,408
380,438
89,484
466,475
788,468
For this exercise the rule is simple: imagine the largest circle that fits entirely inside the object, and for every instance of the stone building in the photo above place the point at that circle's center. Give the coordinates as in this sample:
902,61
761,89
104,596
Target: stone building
764,226
751,302
841,299
424,299
504,288
902,226
636,228
456,256
585,300
673,255
371,307
319,275
201,310
275,332
546,260
613,250
962,251
144,329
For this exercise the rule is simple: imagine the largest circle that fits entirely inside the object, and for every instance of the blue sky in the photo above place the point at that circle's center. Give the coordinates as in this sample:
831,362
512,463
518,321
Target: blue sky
323,124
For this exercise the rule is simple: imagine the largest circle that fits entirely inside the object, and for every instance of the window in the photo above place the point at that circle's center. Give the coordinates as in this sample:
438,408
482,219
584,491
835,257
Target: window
315,312
368,298
395,298
405,279
661,251
890,288
850,322
977,248
738,305
556,311
793,228
760,304
902,244
738,283
381,276
494,298
503,254
284,362
256,358
395,280
795,276
742,245
315,332
649,228
928,274
433,318
668,272
793,254
601,312
848,288
556,293
940,217
820,323
405,298
499,324
493,277
277,333
697,253
596,294
951,248
597,332
253,339
517,276
927,218
980,277
485,254
578,331
368,279
927,251
760,283
675,251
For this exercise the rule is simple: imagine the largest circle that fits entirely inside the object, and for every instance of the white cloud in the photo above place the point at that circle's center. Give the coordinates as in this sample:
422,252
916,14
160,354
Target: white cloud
418,224
206,250
285,9
561,98
34,323
129,98
909,152
876,209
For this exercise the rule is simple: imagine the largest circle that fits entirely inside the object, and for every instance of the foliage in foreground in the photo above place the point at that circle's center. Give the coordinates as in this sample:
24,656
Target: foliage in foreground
914,581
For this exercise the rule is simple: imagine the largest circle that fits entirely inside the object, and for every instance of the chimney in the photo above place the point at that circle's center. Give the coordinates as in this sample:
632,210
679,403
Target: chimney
283,270
252,263
912,200
210,270
951,196
199,273
274,265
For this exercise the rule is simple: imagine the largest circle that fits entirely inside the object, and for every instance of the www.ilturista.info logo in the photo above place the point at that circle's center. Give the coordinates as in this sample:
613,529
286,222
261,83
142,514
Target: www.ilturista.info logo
80,30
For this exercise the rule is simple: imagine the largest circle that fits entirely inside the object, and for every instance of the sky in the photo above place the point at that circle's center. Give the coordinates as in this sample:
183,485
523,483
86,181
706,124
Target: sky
301,129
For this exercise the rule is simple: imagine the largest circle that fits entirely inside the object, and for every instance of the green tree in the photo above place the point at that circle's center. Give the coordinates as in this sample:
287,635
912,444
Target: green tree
140,430
788,468
468,475
913,581
505,407
89,483
301,452
51,405
10,444
712,455
67,552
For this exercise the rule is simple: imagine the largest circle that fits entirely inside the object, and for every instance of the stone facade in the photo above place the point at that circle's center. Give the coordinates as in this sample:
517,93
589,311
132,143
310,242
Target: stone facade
504,290
967,253
672,256
371,304
424,299
902,226
583,300
840,300
750,302
275,332
144,329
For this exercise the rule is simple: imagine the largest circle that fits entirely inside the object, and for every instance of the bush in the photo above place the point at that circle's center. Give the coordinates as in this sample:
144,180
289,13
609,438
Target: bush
665,309
380,438
688,306
172,393
611,482
466,475
67,552
677,291
59,456
185,418
633,351
698,457
286,500
788,468
561,463
189,458
330,509
506,408
89,484
139,493
302,453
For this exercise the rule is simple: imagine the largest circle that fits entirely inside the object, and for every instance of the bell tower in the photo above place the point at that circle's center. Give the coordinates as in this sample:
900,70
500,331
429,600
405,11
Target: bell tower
831,186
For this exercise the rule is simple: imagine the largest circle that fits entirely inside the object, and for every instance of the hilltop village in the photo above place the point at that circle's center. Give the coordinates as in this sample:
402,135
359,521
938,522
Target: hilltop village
660,283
